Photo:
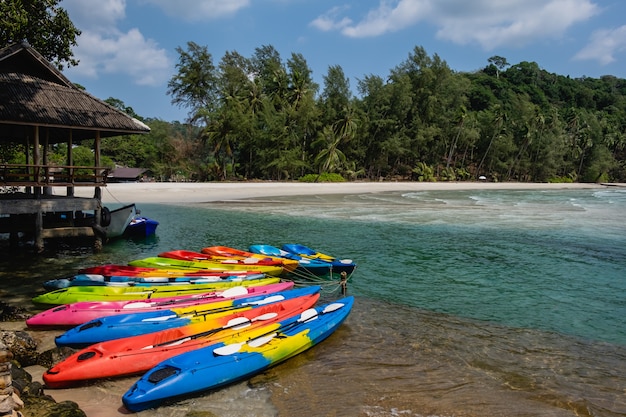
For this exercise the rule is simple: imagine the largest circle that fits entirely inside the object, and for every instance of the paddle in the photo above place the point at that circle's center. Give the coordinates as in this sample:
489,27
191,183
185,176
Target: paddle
306,316
266,300
236,323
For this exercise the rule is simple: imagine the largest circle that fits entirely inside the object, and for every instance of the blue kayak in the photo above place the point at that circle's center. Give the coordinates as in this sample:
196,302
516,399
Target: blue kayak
133,324
221,364
305,265
337,265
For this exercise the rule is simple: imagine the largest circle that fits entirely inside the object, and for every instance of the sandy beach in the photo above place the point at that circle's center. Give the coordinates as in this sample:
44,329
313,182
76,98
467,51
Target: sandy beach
189,193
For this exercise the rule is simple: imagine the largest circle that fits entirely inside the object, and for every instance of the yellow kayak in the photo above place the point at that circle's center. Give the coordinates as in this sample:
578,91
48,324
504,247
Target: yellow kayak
171,263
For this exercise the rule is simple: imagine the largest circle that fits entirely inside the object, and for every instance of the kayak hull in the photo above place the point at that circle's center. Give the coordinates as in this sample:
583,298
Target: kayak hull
139,354
221,364
78,313
105,293
134,324
159,262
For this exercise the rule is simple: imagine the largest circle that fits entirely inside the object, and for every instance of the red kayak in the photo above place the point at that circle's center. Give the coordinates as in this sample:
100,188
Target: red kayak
138,354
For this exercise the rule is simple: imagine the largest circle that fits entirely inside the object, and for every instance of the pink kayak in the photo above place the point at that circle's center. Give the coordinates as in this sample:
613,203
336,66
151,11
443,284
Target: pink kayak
78,313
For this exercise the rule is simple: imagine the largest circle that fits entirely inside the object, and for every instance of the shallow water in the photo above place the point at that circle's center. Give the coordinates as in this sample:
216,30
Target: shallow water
469,303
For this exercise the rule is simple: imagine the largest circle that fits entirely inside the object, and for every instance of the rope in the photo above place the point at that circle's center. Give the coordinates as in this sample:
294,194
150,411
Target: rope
327,283
112,196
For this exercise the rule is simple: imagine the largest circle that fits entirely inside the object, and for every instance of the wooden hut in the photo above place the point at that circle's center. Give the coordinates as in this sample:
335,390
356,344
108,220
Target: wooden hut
39,107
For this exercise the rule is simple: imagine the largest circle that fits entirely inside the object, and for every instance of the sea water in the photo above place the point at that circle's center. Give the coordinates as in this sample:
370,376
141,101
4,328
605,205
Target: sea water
469,303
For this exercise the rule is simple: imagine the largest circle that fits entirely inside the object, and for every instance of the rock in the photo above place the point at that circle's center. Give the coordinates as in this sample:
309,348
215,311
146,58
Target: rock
51,357
12,313
45,406
22,345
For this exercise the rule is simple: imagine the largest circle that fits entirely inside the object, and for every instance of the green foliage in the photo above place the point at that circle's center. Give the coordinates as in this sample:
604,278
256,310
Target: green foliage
43,24
557,180
262,117
423,172
325,177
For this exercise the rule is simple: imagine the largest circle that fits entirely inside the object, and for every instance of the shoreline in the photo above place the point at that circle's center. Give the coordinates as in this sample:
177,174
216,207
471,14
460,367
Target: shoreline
191,192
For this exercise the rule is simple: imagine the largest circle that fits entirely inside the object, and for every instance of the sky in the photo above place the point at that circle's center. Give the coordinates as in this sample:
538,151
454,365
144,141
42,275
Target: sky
127,48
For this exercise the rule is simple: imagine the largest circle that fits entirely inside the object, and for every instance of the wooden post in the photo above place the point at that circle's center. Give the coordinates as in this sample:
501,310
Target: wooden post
97,193
39,243
70,160
46,171
36,161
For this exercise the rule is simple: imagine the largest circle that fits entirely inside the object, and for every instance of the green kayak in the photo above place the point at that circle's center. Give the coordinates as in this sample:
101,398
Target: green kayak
104,293
228,265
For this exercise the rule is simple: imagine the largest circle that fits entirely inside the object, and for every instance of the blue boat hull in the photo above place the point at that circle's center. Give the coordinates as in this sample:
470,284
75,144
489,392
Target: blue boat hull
218,365
141,226
305,265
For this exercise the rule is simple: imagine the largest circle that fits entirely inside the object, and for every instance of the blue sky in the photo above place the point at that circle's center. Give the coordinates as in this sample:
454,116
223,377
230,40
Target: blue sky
127,49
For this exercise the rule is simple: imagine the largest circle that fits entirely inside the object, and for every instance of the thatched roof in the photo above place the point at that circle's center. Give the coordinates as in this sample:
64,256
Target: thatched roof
34,93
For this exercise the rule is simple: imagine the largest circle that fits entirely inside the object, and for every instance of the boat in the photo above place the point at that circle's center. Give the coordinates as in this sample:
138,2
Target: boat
221,364
138,271
138,354
141,226
231,252
338,265
107,293
122,280
187,255
78,313
134,324
305,265
115,222
158,262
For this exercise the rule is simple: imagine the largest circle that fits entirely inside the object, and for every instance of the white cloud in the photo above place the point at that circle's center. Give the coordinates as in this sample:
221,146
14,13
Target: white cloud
489,23
104,49
197,10
331,21
493,24
604,45
98,16
388,18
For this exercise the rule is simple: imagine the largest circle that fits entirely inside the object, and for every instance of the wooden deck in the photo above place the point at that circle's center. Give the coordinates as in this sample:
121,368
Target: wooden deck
30,204
25,175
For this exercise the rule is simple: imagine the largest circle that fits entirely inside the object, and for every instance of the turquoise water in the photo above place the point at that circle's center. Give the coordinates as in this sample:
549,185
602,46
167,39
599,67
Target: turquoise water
468,302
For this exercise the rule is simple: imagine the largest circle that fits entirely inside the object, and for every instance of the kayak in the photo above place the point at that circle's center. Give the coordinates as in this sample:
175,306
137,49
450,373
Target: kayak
103,293
147,272
137,354
223,363
305,265
78,313
238,253
338,265
158,262
134,324
186,255
232,252
166,278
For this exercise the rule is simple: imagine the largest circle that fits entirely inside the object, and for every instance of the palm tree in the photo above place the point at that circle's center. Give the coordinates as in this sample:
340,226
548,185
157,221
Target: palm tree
330,158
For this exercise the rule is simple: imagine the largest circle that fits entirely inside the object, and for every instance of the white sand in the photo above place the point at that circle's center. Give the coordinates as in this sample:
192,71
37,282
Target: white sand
186,192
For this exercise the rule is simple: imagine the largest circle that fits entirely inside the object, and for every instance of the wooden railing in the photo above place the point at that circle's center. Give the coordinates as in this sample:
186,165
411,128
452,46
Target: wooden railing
25,175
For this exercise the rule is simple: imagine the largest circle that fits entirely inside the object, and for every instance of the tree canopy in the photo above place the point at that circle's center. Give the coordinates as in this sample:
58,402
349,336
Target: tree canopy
43,24
264,117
